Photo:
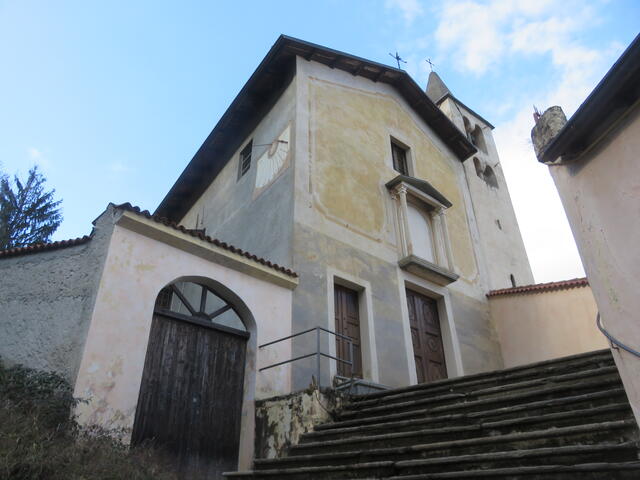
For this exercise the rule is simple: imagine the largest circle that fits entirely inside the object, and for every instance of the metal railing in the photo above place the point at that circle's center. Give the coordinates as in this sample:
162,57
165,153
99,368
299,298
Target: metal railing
613,339
318,353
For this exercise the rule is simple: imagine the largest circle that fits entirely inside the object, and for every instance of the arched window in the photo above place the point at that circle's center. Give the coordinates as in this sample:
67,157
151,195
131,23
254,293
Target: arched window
490,177
467,125
478,166
477,138
196,302
421,234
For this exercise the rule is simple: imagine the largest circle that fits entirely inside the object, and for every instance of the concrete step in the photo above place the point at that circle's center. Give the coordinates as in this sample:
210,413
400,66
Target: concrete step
507,463
387,448
569,455
593,399
602,380
523,384
356,470
544,417
569,364
585,471
561,419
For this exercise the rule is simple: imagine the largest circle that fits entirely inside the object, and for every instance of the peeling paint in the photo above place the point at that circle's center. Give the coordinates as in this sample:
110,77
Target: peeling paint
280,421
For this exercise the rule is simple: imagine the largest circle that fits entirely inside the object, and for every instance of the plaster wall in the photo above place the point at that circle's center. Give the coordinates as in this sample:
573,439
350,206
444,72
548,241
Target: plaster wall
600,193
500,239
46,300
533,327
137,267
259,220
344,217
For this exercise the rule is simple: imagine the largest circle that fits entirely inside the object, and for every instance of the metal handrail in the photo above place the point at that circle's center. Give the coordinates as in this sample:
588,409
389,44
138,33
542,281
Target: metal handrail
318,353
613,339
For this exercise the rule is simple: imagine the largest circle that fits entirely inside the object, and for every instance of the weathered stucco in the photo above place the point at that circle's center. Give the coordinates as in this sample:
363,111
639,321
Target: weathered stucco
538,326
351,163
46,300
280,421
479,344
137,267
600,193
345,220
259,220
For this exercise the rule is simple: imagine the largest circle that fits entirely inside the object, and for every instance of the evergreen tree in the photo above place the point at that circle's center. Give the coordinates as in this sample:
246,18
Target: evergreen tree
28,214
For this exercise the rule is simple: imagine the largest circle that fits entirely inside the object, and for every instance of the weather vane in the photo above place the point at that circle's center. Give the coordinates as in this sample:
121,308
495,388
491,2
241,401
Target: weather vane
397,59
428,60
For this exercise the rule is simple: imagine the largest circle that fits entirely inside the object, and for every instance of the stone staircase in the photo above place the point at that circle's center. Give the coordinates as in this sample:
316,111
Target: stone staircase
561,419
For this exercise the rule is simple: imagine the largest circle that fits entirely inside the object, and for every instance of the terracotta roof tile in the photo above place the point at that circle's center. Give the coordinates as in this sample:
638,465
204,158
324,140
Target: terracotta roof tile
541,287
198,234
42,247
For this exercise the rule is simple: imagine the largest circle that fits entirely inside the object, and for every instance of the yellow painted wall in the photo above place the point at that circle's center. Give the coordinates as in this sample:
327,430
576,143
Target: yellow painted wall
540,326
351,162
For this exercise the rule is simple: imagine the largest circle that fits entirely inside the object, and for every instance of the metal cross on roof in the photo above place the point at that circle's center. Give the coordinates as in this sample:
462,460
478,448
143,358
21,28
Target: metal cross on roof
431,64
397,59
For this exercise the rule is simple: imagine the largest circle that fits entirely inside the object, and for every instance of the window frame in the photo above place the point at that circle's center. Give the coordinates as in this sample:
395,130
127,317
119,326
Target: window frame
244,157
441,270
396,145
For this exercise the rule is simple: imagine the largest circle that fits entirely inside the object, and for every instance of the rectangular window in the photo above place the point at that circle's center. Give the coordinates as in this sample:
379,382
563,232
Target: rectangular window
244,163
399,156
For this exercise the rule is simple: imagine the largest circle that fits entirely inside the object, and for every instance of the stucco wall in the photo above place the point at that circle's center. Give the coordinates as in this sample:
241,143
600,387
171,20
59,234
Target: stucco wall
345,218
600,193
233,210
136,268
46,300
540,326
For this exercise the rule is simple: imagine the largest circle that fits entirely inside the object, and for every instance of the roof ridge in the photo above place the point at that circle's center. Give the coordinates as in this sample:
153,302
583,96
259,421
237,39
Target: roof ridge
198,234
542,287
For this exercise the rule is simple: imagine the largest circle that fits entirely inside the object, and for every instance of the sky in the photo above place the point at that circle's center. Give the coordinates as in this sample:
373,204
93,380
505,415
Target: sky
112,99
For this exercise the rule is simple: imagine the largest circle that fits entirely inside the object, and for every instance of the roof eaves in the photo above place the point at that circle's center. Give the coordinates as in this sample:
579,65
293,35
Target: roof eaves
207,162
44,247
618,90
541,287
199,234
473,112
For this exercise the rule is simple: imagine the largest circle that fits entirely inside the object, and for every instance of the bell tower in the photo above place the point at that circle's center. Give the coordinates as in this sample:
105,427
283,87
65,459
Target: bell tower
501,242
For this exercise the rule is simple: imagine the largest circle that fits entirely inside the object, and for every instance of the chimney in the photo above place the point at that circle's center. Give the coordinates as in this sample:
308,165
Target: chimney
547,126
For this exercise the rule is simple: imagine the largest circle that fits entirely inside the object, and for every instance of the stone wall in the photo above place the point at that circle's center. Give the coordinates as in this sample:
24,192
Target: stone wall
46,299
280,421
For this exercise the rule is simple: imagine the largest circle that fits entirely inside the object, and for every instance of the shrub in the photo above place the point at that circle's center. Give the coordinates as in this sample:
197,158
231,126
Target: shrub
40,440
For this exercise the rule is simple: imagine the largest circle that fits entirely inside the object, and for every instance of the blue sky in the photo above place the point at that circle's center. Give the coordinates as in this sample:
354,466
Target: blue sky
112,99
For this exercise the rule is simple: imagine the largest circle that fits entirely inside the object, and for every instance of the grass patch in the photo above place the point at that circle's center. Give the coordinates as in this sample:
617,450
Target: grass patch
40,440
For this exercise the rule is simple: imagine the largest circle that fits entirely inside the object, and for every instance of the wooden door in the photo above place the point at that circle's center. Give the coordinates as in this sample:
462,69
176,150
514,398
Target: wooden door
428,350
347,323
191,395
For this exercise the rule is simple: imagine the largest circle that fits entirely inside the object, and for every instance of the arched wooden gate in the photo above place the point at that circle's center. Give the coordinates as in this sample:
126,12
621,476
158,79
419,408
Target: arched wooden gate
190,400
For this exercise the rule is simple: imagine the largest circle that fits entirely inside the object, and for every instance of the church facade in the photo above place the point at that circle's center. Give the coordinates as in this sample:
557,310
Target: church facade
394,212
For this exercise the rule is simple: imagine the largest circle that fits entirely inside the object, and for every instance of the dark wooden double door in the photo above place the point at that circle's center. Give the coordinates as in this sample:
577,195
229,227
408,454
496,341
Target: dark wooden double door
190,399
426,337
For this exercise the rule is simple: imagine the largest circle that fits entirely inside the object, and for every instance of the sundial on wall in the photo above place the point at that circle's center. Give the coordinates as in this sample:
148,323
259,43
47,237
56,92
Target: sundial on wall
273,160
